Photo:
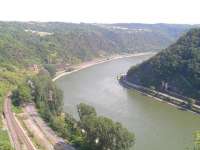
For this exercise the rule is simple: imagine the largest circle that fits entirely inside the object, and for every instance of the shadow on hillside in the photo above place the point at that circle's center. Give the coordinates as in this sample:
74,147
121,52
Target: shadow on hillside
63,146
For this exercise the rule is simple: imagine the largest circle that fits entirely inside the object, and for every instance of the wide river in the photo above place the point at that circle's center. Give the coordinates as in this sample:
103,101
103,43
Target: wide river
157,125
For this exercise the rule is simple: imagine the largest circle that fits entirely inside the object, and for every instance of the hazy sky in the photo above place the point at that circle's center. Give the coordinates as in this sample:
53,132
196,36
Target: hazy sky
102,11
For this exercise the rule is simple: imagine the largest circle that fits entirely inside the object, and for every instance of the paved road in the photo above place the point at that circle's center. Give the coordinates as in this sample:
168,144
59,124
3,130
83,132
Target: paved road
156,92
20,140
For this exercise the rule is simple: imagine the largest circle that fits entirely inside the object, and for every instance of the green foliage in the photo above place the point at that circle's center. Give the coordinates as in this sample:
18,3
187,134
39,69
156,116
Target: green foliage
178,65
102,133
49,101
85,110
196,141
8,79
47,95
51,69
83,134
7,67
44,72
23,44
36,43
4,140
22,94
17,109
57,123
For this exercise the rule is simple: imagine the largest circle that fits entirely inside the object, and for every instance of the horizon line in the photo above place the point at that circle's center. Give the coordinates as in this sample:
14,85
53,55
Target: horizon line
81,22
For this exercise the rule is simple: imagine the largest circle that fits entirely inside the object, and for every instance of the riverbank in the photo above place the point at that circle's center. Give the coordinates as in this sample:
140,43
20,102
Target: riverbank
91,63
162,97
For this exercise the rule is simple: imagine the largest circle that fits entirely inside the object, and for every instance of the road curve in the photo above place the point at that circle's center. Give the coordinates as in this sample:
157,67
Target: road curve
17,134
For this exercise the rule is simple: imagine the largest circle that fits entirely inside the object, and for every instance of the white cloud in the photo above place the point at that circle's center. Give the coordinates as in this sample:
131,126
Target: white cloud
105,11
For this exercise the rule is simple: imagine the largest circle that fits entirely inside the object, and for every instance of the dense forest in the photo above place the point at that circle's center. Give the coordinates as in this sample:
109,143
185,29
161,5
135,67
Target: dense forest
176,69
56,42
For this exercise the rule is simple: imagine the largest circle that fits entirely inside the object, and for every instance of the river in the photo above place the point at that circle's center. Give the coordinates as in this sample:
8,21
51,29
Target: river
157,125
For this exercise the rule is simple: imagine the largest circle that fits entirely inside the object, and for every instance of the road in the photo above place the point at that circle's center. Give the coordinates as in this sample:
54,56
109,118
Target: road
20,140
177,102
43,128
44,134
139,87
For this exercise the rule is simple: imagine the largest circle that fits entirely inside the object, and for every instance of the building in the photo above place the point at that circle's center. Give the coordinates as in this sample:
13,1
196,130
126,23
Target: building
34,68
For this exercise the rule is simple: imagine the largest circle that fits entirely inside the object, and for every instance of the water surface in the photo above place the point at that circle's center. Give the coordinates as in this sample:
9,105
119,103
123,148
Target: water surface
157,125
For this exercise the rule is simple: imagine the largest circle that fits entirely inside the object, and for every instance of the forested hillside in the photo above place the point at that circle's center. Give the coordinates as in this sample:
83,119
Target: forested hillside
29,43
175,69
55,42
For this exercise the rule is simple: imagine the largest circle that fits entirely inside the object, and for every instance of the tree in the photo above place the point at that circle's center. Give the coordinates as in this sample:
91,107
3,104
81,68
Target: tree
47,94
22,94
85,110
51,69
102,133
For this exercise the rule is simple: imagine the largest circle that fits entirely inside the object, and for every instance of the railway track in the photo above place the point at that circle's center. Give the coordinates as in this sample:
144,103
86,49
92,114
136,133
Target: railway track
19,138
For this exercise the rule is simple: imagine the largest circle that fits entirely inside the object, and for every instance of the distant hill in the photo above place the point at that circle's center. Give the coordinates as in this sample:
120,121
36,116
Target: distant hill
178,67
52,42
172,31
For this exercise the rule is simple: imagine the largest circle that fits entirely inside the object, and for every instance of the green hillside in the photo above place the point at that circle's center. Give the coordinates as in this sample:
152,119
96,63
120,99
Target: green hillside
53,42
25,43
178,66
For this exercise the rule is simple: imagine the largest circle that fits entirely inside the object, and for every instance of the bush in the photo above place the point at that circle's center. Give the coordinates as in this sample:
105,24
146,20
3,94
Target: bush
22,94
51,69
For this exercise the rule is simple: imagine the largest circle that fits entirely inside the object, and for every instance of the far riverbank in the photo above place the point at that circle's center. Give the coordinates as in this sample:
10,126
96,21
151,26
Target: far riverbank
91,63
162,97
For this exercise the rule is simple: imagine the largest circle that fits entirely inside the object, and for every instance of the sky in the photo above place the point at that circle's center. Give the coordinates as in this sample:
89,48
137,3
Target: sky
102,11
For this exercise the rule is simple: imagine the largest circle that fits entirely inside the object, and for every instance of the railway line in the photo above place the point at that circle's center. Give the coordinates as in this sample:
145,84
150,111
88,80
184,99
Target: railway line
19,138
